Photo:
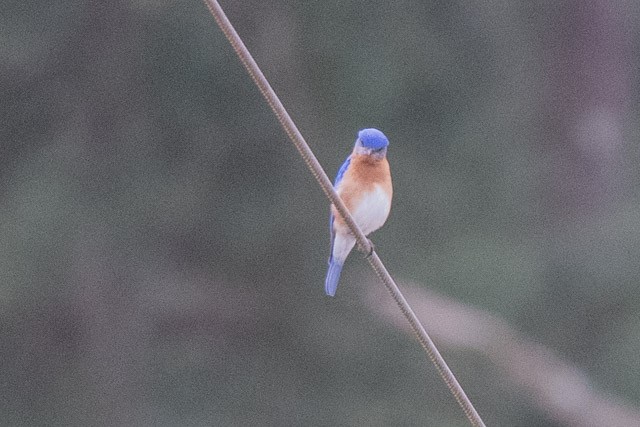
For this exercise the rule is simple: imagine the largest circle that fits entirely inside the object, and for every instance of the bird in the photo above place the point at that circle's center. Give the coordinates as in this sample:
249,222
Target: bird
364,184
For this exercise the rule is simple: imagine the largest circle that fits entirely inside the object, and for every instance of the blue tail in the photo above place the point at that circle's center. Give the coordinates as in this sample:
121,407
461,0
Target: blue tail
333,277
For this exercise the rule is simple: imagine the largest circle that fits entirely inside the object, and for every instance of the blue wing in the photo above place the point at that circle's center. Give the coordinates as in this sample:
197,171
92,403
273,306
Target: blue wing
333,275
339,176
342,171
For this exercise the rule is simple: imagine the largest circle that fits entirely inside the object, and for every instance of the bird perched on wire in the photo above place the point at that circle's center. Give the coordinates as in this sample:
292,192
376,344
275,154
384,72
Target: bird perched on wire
364,185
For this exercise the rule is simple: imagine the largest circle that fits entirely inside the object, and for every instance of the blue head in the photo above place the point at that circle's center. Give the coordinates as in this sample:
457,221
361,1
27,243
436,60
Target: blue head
372,142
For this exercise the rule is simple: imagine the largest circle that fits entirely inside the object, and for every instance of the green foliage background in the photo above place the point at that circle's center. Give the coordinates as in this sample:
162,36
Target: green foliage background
163,248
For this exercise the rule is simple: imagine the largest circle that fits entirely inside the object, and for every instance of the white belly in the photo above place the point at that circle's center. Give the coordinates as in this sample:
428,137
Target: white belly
372,210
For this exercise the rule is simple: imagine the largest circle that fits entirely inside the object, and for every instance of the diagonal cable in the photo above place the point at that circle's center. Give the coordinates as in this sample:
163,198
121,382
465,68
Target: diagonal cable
363,243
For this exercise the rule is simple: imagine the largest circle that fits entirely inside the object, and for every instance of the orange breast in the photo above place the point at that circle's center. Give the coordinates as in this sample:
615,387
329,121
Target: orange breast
363,175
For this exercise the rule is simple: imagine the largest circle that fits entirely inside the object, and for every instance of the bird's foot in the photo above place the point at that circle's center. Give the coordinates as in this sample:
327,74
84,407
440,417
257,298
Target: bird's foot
372,248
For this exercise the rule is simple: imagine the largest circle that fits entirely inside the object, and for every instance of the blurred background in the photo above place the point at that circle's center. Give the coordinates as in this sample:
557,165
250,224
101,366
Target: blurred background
163,247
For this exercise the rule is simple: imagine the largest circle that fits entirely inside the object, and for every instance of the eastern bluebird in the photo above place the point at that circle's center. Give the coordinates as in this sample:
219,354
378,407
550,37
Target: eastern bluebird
364,185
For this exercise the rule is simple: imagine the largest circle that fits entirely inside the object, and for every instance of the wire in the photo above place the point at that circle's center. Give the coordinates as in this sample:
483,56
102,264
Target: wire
363,243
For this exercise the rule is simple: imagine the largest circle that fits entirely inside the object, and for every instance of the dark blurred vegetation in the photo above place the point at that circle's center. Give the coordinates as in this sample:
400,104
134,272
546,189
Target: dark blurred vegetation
163,248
